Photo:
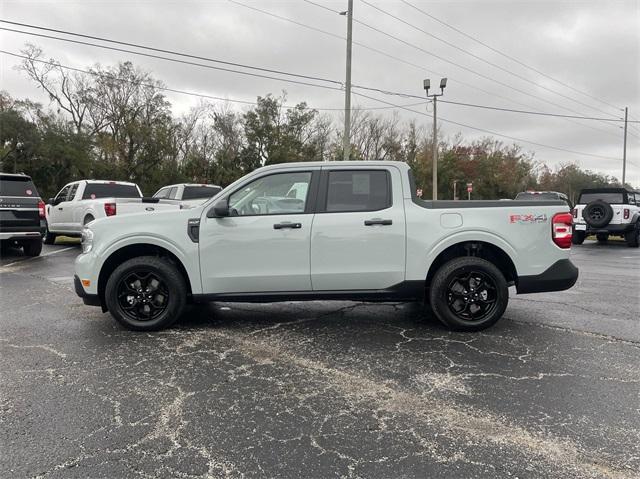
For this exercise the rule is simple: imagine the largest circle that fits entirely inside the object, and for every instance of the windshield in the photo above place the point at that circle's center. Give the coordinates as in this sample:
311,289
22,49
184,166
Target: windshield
110,190
197,192
607,197
17,186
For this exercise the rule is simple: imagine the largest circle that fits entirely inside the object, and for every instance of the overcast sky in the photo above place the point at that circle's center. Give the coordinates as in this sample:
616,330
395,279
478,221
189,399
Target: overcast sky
591,46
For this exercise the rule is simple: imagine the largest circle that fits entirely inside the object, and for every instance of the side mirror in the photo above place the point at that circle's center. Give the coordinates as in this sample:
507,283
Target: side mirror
220,209
52,201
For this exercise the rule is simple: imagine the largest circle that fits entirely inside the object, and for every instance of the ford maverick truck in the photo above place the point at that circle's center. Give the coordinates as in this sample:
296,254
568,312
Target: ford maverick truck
329,231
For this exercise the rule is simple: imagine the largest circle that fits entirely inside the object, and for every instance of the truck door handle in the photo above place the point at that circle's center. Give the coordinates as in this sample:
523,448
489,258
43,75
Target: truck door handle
377,221
60,209
280,226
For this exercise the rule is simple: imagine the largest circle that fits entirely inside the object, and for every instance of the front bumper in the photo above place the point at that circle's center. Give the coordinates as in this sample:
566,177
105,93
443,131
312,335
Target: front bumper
559,276
88,299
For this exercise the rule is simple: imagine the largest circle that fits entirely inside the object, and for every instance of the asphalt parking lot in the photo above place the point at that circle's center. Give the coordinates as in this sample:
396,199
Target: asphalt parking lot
321,389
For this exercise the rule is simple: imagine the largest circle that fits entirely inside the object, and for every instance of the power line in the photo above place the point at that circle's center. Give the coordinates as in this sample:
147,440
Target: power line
499,52
470,70
542,145
559,115
477,57
436,56
182,92
175,60
380,52
172,52
386,92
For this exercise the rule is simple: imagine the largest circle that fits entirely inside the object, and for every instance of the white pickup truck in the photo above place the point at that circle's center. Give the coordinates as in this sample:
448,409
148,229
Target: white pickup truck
358,233
80,202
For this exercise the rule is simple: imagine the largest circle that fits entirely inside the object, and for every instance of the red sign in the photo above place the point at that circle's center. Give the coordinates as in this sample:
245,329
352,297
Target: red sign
419,193
469,187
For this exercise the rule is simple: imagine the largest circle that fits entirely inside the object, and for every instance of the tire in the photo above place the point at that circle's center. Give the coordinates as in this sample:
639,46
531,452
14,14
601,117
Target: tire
578,237
598,213
453,299
88,219
602,237
32,247
633,237
134,278
49,237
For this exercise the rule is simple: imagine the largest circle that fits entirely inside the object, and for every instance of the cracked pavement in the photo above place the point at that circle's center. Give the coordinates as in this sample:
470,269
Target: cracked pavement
321,389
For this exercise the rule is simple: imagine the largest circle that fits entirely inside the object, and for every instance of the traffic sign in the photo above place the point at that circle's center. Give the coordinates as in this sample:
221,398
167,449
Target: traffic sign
469,187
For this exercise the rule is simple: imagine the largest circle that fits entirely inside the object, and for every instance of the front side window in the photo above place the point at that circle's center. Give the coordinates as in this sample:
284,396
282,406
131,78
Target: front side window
277,194
358,191
162,193
62,196
72,192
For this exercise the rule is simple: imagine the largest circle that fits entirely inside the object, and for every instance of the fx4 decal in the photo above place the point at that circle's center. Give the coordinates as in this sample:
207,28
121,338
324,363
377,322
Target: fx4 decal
527,219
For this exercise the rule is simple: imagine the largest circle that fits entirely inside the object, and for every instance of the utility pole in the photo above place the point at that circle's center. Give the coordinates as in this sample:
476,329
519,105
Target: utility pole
426,85
455,190
624,148
346,141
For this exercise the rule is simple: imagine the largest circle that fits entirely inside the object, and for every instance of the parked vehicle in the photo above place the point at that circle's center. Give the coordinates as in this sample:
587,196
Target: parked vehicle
358,233
81,202
188,193
21,213
607,212
543,196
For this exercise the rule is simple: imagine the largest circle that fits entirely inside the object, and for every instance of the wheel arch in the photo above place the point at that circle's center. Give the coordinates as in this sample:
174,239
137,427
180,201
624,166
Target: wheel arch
134,250
480,249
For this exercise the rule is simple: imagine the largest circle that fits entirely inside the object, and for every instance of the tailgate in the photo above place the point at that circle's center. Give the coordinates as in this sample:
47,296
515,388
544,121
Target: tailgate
19,214
131,206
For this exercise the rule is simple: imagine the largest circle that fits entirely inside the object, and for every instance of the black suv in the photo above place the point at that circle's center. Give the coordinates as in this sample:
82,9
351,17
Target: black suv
607,212
22,220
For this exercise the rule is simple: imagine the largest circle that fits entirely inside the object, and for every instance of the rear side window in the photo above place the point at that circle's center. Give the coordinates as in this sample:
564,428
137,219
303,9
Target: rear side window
109,190
359,190
612,198
17,186
197,192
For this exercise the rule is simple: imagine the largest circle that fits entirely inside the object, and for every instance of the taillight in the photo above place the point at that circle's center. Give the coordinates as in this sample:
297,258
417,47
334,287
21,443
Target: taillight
574,212
561,229
41,208
626,213
109,209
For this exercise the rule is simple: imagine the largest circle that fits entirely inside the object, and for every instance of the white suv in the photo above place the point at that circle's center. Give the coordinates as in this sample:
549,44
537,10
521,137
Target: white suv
607,211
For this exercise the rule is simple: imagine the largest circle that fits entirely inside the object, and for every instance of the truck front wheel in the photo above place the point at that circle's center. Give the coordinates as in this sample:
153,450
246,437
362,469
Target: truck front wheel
146,293
468,294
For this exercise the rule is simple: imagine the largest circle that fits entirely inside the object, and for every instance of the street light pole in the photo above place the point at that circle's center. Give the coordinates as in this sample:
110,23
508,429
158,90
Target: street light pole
346,141
426,85
624,148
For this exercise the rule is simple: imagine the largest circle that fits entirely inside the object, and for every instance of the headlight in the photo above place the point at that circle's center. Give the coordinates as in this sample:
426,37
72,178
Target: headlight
87,240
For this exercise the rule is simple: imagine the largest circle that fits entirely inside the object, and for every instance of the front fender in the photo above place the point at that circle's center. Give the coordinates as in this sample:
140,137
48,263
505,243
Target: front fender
189,259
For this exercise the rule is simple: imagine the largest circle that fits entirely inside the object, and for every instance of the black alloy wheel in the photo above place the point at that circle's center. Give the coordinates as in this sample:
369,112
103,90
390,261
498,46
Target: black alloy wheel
146,293
142,295
472,295
468,293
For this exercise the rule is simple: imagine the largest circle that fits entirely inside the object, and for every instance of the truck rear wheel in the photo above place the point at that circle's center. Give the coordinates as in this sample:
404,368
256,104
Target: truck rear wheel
49,237
578,237
146,293
32,247
468,294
